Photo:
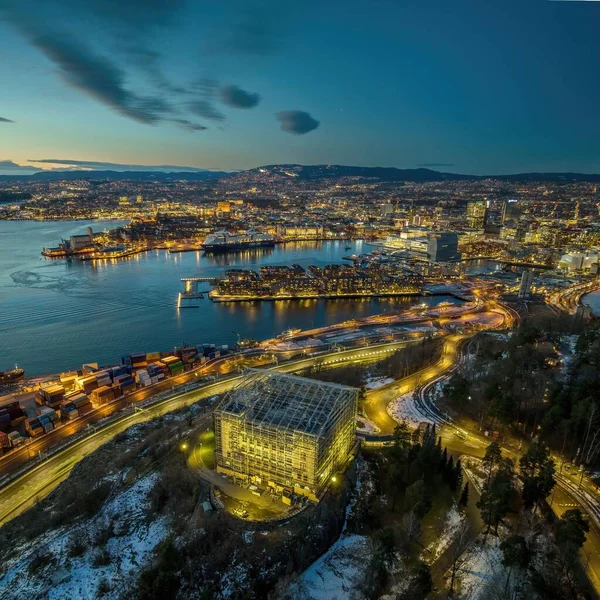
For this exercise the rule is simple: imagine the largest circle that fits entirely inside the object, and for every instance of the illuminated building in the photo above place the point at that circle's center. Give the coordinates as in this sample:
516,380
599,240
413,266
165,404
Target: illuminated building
442,246
281,430
525,287
476,215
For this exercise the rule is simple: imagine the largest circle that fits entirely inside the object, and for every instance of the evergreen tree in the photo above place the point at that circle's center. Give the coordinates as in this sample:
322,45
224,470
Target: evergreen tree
515,553
443,461
496,495
457,478
464,497
537,472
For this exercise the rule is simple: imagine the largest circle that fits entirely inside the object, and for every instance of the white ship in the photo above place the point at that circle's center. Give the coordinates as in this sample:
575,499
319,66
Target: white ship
224,241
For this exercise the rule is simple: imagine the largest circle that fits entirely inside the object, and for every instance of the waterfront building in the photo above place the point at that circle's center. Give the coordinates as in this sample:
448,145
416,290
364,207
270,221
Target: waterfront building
442,246
285,431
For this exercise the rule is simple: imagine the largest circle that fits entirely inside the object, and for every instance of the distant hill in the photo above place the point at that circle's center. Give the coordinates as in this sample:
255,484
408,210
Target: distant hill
117,175
308,172
300,173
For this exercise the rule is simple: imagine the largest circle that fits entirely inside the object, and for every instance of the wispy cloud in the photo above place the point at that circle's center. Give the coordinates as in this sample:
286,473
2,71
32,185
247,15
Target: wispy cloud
3,120
96,165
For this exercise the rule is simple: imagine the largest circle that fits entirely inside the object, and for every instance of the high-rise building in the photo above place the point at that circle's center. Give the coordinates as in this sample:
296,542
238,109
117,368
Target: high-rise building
285,431
442,246
476,214
525,287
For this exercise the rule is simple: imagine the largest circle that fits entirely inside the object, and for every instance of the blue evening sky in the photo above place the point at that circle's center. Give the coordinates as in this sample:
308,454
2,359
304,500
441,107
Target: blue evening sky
481,86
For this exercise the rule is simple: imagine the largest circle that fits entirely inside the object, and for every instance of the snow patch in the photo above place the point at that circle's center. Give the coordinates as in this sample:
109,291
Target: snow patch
374,383
337,574
128,548
405,408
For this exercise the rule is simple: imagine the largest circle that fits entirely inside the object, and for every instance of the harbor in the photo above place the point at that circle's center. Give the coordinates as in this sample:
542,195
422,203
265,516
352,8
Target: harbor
94,309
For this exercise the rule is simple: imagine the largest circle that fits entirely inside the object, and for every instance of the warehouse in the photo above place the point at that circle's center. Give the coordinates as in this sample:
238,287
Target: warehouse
284,431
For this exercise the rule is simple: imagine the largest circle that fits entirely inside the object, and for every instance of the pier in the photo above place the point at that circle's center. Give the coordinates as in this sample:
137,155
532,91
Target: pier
190,290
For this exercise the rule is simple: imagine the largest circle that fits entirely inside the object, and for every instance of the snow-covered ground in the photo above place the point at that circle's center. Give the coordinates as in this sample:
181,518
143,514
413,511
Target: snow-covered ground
483,570
363,425
454,519
374,383
337,574
405,408
130,542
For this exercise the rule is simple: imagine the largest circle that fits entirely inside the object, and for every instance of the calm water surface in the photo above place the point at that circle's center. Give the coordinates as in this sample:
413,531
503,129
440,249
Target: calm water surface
57,314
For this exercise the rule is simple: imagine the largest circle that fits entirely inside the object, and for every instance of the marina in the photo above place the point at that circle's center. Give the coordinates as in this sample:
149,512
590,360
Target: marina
94,309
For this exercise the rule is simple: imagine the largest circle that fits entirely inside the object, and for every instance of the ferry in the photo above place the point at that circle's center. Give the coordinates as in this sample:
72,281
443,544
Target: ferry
224,241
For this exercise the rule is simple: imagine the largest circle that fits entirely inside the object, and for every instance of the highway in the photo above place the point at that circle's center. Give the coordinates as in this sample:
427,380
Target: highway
17,496
38,480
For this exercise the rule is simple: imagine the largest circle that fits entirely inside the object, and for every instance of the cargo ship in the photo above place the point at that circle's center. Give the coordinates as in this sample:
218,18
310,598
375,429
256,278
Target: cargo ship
11,376
224,241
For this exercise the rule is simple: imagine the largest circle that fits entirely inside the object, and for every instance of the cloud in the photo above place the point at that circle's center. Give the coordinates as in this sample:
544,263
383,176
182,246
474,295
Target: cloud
296,121
206,109
11,167
434,164
3,120
235,96
186,124
95,165
99,78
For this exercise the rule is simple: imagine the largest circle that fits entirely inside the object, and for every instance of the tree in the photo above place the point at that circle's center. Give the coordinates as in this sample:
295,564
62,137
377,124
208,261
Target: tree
420,583
402,438
493,455
571,530
417,499
444,460
515,553
537,471
459,555
464,497
496,495
457,477
397,479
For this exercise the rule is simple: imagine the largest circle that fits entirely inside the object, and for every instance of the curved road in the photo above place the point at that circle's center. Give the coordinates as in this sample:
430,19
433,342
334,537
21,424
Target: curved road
17,496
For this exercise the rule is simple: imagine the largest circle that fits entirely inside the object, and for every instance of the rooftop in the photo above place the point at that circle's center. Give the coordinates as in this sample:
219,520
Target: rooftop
287,401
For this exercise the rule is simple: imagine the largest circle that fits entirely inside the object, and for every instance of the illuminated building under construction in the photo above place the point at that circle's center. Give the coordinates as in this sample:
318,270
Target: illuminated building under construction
285,431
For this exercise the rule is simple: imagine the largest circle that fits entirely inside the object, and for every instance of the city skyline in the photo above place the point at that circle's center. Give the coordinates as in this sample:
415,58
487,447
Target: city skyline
248,84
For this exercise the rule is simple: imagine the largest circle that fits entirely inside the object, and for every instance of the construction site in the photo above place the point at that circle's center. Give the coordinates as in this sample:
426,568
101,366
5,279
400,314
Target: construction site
285,433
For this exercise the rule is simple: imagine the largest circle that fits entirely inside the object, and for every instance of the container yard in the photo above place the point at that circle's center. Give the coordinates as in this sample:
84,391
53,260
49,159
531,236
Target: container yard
75,393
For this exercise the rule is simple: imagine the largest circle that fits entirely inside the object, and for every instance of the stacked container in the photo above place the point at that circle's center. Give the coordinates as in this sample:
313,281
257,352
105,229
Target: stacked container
69,380
47,418
15,413
102,395
175,365
73,405
125,383
34,427
52,395
143,377
156,372
87,384
138,361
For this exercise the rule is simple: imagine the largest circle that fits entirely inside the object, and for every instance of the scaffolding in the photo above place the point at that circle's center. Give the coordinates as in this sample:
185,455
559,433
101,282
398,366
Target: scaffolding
284,431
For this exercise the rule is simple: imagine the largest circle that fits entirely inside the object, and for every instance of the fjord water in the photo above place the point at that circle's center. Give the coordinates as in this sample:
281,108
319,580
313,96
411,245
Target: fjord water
57,314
